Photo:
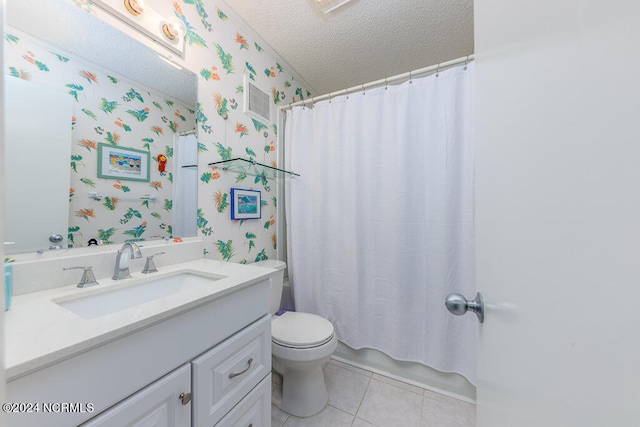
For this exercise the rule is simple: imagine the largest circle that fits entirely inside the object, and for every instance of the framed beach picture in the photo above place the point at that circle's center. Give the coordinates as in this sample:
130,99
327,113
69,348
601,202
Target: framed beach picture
245,204
116,162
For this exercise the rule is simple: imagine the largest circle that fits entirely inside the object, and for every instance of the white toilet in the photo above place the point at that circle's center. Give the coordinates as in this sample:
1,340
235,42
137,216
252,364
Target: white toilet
301,343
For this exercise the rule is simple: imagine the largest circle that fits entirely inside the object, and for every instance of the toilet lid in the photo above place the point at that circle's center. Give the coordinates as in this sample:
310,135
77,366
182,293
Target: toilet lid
294,329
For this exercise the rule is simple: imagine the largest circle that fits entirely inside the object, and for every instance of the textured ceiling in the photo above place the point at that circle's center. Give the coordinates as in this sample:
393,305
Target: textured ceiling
362,41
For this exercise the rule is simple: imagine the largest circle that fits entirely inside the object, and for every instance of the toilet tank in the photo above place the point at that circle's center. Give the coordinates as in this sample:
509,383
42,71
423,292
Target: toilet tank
276,279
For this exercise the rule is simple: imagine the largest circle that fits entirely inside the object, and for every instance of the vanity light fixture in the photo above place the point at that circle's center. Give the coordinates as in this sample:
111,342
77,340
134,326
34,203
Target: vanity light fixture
134,7
330,5
172,28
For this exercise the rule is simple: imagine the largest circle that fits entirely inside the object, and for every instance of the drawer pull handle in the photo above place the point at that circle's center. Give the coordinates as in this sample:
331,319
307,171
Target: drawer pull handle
185,398
235,374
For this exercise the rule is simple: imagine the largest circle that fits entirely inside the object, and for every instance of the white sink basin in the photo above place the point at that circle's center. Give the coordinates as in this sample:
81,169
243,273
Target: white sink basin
107,301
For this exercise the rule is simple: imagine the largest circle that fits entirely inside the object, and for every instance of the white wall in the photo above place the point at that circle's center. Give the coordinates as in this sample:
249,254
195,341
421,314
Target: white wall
558,211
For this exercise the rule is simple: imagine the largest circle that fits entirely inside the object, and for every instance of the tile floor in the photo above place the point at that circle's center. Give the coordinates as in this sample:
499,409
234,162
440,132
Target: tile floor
360,398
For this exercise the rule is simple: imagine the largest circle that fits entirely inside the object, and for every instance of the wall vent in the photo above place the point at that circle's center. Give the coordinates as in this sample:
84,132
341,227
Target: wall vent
257,103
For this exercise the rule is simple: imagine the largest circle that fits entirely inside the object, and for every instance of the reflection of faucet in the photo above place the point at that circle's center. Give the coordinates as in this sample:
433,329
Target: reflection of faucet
55,240
121,270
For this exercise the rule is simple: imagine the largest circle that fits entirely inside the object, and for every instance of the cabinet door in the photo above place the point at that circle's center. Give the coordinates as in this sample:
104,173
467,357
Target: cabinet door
226,373
254,410
157,405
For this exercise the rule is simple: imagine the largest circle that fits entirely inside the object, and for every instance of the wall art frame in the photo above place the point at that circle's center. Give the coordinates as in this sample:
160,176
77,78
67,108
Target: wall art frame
130,164
246,204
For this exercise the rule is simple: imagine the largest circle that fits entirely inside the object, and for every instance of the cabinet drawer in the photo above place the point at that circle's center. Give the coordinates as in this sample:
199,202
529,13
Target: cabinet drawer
254,410
155,405
222,376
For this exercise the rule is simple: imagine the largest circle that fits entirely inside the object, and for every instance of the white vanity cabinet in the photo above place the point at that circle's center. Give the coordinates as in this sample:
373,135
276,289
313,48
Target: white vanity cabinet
218,350
159,404
229,371
202,392
254,410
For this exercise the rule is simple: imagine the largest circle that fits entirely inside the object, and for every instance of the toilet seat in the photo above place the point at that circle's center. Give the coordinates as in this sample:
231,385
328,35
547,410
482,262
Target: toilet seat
300,330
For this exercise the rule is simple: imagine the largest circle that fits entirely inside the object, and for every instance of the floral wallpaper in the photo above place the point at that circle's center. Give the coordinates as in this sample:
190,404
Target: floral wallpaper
221,54
111,110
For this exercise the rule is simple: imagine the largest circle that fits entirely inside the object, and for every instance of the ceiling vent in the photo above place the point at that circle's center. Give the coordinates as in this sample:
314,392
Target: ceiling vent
257,102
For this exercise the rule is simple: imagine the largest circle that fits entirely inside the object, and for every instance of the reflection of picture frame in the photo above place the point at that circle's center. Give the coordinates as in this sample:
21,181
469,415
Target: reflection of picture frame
245,204
116,162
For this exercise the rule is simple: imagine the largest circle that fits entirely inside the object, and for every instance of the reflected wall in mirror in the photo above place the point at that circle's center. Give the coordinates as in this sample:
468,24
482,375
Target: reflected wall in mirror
109,103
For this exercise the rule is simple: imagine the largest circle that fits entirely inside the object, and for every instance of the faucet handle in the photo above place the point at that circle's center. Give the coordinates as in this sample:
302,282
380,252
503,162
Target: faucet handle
150,266
88,278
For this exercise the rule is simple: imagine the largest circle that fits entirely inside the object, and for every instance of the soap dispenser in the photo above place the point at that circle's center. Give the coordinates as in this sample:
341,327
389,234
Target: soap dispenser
8,285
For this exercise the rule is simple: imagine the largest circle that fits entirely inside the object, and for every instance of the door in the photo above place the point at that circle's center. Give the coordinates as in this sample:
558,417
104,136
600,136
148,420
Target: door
558,212
165,403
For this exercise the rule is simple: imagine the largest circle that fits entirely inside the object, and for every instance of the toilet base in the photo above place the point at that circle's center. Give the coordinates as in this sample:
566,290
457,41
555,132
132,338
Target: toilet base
304,392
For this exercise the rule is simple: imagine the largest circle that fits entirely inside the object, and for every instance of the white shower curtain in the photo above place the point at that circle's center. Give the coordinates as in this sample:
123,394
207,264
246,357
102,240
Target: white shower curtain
380,224
185,188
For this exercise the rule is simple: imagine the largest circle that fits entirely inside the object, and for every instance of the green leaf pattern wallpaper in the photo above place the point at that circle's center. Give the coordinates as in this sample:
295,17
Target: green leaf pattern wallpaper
220,52
107,109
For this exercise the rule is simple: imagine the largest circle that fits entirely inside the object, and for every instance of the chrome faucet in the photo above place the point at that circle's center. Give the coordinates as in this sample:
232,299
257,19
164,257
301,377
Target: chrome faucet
150,266
121,270
88,278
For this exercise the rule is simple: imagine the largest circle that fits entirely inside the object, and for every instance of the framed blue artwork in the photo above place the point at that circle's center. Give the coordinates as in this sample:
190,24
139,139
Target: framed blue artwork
115,162
245,204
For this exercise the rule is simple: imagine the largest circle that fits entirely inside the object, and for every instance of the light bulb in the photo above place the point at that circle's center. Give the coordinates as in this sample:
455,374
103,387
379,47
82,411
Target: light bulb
173,28
134,7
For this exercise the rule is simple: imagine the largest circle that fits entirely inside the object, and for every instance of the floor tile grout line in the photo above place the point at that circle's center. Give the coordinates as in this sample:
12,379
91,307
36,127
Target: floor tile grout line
362,400
357,374
353,371
339,410
380,379
392,382
408,381
351,368
422,409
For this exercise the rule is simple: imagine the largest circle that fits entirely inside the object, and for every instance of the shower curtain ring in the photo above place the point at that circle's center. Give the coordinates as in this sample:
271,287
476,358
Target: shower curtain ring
410,78
438,70
386,84
363,92
466,61
347,90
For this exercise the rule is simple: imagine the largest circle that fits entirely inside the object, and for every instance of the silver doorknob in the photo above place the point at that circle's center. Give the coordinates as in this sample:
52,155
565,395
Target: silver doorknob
459,305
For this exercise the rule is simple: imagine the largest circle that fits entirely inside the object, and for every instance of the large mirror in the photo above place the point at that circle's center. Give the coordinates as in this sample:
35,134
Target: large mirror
79,91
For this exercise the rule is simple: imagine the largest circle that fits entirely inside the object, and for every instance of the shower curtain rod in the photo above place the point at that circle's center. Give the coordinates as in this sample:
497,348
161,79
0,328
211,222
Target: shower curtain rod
394,79
188,132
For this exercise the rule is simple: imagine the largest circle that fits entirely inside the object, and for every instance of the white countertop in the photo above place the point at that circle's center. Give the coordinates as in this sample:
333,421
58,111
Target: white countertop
39,332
